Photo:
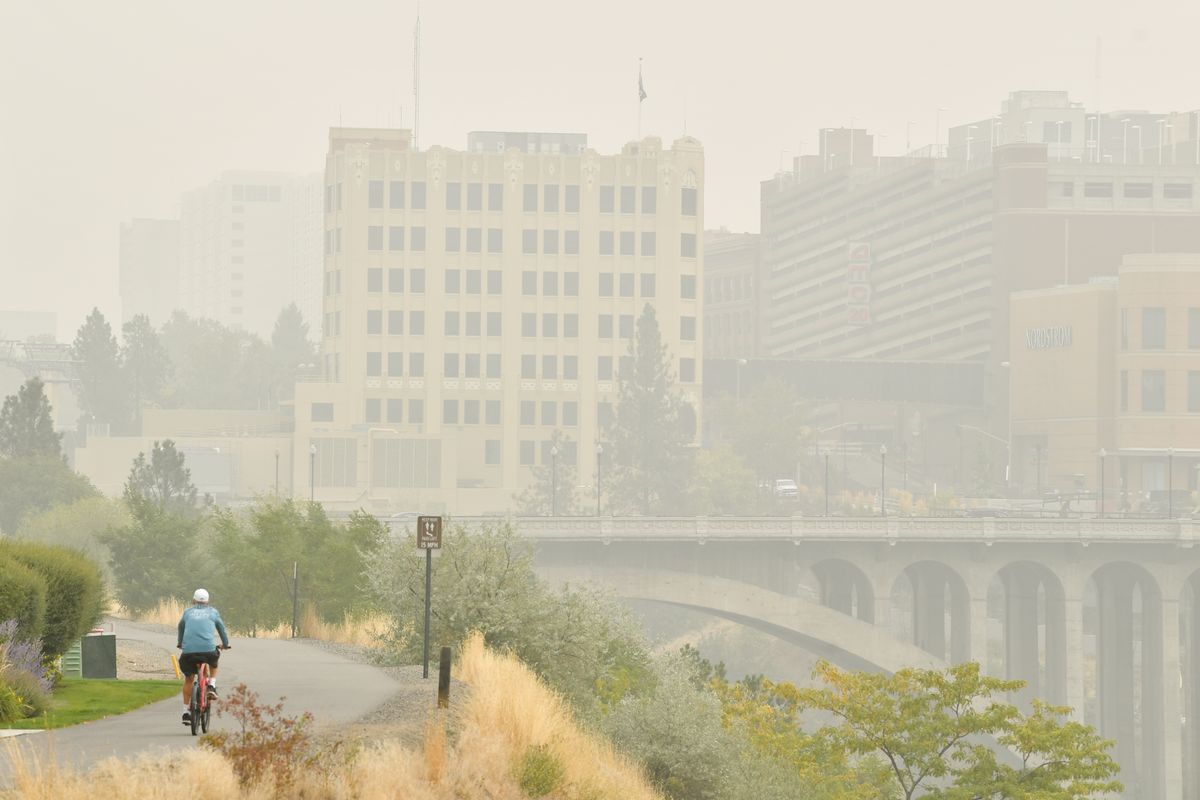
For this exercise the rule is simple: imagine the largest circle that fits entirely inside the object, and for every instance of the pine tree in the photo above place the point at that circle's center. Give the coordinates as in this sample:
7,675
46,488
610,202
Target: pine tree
650,434
162,484
291,350
102,393
26,426
554,488
144,366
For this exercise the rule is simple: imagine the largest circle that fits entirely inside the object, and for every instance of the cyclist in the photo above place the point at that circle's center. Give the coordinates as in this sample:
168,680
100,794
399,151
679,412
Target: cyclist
198,629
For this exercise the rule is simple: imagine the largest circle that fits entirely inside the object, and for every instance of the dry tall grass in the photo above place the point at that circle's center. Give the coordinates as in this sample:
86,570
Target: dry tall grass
507,712
362,630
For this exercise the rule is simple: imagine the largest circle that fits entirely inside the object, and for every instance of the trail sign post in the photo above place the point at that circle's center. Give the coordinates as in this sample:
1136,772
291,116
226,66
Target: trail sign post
429,538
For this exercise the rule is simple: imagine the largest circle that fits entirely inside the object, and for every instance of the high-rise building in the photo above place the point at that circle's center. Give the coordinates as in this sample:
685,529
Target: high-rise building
478,301
250,244
149,269
731,294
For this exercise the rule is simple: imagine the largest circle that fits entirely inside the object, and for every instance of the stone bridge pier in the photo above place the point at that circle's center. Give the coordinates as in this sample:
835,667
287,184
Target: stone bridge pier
1098,615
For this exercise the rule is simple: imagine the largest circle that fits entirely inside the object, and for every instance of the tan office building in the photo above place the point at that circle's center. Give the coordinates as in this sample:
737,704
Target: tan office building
1112,366
477,301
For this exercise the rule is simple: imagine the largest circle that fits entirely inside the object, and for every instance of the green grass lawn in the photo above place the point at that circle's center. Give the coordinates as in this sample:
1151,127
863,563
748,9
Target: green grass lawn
80,700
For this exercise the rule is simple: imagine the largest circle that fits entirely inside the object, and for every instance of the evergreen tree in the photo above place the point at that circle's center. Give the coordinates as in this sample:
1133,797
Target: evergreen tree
554,485
163,483
650,434
145,366
26,427
215,366
291,349
102,393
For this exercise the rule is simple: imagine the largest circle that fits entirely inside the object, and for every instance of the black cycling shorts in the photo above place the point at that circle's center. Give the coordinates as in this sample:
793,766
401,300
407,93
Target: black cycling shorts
189,663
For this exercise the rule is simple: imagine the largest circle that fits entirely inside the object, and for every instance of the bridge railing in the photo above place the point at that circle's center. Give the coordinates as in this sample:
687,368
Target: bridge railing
1183,532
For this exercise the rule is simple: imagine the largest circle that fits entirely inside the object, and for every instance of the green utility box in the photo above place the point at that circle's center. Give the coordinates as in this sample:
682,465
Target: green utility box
72,662
99,656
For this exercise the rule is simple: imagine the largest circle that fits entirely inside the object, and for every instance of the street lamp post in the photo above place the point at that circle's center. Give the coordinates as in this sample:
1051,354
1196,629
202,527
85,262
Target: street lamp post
599,453
1103,454
882,479
554,480
1125,141
1170,483
312,473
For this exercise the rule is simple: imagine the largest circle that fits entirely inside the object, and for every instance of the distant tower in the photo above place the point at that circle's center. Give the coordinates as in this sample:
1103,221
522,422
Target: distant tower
417,81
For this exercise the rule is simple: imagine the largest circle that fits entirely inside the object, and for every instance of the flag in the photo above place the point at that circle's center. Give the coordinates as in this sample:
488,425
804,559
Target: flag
641,88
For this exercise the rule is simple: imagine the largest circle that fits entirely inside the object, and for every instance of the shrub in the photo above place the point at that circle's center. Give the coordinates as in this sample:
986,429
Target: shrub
25,655
541,772
22,597
267,745
33,698
11,709
74,592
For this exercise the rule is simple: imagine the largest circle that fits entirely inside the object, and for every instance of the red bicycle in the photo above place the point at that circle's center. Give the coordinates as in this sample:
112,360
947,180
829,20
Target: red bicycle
200,706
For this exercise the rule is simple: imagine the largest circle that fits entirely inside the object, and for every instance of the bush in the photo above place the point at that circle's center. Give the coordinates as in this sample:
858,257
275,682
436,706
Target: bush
11,709
26,655
33,699
266,746
74,591
22,597
541,772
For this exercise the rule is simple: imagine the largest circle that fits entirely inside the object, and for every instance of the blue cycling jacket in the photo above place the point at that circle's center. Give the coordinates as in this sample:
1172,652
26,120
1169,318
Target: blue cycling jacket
198,628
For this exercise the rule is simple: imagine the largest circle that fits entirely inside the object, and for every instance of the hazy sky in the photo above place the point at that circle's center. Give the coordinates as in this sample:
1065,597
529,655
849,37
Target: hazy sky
110,110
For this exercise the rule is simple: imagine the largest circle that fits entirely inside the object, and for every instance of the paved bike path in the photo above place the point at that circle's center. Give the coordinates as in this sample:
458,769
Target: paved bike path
332,688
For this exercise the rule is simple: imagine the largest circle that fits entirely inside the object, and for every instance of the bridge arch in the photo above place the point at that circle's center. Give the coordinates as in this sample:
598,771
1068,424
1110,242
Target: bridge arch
826,632
844,587
931,607
1026,602
1189,630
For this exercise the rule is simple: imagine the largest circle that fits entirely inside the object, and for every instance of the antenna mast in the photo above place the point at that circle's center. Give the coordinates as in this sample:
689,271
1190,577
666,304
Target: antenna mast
417,80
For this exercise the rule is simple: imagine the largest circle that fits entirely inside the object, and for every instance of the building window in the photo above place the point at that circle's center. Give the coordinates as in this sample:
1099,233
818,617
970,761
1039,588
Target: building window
550,199
495,281
649,243
1177,191
550,368
549,412
453,240
374,237
495,240
373,411
396,194
1138,190
472,365
606,243
416,412
374,194
571,199
1124,390
474,197
550,325
649,199
529,197
395,365
528,366
529,242
493,323
550,242
416,323
1124,328
1193,391
395,410
1154,390
474,240
528,412
571,365
687,329
417,243
474,281
453,196
416,281
571,326
395,323
604,368
451,323
416,365
452,281
374,280
495,196
527,450
321,412
626,284
687,245
1154,328
336,462
627,239
687,202
1056,132
606,199
374,364
374,322
571,243
687,370
550,284
528,325
1095,189
606,284
604,414
625,366
395,237
1066,189
687,287
491,452
625,325
529,283
449,412
605,326
628,199
418,195
491,412
648,284
493,365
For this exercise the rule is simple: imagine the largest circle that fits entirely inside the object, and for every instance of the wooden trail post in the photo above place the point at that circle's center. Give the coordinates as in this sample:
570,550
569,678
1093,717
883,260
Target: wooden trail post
444,679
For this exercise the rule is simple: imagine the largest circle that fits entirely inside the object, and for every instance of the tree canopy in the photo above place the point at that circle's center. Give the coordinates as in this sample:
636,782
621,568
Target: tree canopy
102,391
26,425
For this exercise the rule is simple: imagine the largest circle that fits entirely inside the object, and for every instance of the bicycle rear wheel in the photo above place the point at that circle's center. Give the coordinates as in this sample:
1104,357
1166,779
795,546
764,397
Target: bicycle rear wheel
204,717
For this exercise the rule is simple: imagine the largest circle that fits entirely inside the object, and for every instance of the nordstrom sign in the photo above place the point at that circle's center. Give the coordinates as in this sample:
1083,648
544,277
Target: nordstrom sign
1046,338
